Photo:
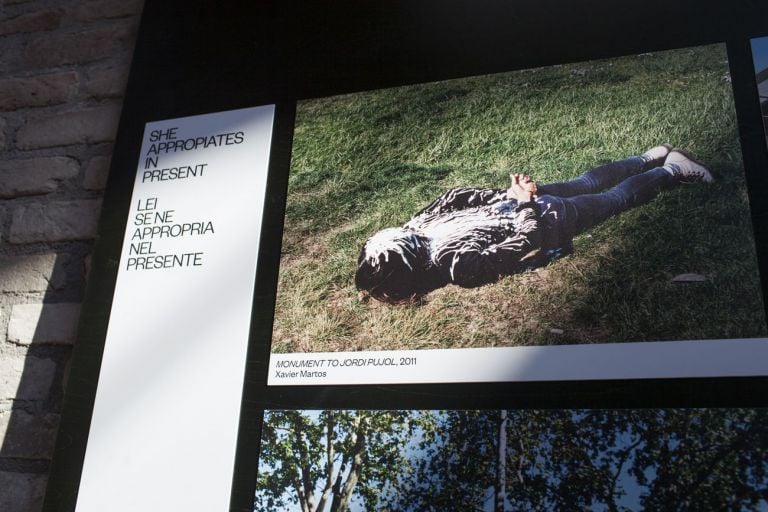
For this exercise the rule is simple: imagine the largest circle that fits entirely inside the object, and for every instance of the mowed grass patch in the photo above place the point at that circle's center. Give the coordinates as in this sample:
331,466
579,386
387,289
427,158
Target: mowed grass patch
371,160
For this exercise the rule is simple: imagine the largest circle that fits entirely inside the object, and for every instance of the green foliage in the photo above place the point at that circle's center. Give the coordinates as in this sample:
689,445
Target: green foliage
673,459
319,461
677,459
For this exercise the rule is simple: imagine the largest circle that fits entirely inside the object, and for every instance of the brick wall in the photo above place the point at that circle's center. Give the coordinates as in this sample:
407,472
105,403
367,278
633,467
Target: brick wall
63,68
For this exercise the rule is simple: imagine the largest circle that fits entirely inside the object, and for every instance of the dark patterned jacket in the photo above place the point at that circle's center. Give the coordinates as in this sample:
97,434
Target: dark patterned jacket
478,235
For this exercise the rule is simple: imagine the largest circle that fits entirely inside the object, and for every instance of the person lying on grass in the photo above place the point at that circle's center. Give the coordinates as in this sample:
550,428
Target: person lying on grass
473,236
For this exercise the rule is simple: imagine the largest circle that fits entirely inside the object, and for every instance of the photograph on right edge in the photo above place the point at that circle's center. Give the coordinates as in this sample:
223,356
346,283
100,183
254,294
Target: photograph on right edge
760,60
528,460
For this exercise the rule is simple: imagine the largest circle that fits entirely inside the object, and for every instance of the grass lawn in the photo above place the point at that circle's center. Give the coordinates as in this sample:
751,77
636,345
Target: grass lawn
367,161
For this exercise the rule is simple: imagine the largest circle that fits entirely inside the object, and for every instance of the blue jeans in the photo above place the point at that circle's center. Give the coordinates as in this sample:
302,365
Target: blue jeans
572,207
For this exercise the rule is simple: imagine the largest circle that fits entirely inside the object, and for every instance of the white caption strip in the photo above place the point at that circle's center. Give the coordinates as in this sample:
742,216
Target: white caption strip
671,359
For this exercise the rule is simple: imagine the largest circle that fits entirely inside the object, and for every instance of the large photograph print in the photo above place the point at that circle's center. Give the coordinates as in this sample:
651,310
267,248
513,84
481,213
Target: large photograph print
596,202
497,460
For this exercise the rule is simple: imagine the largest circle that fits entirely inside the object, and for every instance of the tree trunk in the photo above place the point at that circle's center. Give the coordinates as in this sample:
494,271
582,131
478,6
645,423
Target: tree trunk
306,484
344,496
329,454
300,493
501,464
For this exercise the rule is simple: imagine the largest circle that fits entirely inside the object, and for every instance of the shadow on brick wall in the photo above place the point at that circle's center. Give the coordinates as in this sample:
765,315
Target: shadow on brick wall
40,335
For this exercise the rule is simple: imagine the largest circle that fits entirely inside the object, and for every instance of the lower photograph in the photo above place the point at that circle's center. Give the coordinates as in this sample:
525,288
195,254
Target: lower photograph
494,460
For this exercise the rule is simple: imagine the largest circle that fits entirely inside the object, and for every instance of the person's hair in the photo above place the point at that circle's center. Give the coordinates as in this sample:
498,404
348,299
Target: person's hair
392,266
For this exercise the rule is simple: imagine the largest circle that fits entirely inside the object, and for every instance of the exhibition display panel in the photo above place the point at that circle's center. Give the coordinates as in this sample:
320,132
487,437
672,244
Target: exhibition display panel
380,255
